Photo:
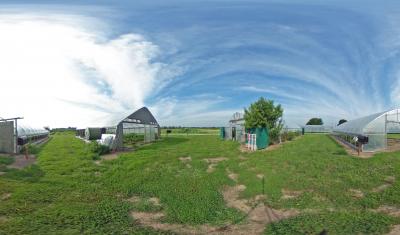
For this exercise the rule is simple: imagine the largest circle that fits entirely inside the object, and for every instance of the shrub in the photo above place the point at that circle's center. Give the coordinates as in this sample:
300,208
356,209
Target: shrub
133,138
264,113
31,148
98,149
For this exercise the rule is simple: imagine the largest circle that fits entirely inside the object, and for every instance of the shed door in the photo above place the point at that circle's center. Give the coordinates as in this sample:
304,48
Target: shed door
6,137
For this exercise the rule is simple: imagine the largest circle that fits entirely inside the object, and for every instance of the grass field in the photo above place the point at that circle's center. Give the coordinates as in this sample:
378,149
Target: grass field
191,131
394,136
67,193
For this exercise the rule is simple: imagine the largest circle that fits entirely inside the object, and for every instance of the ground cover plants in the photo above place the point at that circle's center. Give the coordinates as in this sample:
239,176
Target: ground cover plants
184,179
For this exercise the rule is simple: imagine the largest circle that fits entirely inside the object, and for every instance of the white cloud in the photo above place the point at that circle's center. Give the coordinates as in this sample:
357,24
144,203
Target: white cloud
395,93
61,70
200,110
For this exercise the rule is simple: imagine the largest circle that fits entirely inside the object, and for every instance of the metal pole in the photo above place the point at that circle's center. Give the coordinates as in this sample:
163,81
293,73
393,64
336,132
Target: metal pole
385,135
16,137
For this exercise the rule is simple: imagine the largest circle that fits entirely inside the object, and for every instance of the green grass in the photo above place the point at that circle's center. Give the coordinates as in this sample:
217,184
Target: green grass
180,131
394,136
4,161
66,193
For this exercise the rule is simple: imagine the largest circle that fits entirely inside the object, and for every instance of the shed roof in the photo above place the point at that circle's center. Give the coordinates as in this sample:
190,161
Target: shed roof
142,116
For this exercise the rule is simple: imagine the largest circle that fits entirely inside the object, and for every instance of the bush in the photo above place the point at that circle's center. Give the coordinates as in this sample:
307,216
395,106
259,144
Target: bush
32,149
133,138
289,135
98,149
264,113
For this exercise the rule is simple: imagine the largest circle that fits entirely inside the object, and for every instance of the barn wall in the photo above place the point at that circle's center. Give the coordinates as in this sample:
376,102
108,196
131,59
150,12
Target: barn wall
7,137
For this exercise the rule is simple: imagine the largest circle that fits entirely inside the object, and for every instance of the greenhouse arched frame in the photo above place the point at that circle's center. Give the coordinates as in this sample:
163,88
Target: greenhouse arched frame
376,127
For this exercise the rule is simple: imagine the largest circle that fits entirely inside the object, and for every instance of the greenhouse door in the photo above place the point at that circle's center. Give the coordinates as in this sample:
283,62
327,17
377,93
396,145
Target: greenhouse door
6,137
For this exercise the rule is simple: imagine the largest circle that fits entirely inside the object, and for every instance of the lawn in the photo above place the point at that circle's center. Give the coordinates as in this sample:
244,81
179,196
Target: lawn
191,131
67,193
394,136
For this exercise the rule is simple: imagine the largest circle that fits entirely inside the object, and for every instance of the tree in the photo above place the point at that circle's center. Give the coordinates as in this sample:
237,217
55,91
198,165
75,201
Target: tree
263,113
341,121
315,121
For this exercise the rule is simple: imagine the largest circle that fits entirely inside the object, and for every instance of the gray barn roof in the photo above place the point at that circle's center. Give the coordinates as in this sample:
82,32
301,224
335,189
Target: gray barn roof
142,116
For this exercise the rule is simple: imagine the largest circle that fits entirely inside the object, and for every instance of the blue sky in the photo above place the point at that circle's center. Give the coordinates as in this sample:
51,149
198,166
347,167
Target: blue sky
195,63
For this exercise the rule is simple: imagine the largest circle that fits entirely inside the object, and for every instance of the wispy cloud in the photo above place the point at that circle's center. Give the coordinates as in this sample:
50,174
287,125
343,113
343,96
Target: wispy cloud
55,68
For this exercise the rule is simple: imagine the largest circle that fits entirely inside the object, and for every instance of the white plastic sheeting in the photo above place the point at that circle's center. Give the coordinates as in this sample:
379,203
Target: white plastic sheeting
317,129
26,131
107,140
375,126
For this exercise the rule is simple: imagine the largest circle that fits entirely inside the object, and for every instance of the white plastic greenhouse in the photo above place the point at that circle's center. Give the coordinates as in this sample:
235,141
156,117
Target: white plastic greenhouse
26,134
375,127
13,135
124,130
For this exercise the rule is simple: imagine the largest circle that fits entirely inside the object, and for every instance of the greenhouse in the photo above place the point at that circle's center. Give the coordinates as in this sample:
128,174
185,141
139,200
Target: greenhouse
13,135
139,127
127,132
373,130
316,129
235,129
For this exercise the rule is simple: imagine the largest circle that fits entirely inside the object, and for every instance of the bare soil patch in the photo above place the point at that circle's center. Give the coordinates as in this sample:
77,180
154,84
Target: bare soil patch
231,197
258,213
290,194
356,193
260,176
109,157
211,168
390,210
22,161
393,145
134,199
185,159
395,230
215,160
155,201
389,181
233,176
5,196
2,172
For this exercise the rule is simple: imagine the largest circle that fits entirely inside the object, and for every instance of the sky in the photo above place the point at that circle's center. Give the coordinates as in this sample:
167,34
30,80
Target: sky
194,63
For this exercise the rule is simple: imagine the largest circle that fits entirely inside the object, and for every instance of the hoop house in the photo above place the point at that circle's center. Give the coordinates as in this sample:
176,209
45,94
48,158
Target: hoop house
375,127
138,126
28,134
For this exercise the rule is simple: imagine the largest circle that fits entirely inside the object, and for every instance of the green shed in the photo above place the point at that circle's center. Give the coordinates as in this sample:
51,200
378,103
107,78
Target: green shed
262,137
222,133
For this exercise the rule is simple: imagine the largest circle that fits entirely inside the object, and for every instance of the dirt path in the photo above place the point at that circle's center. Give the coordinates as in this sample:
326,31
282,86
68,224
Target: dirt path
22,161
213,162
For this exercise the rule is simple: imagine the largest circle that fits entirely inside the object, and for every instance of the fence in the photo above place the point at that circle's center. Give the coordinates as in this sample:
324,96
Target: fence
251,141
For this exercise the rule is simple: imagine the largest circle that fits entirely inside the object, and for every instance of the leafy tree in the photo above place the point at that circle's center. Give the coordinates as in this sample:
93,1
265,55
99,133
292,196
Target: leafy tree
264,113
315,121
341,121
